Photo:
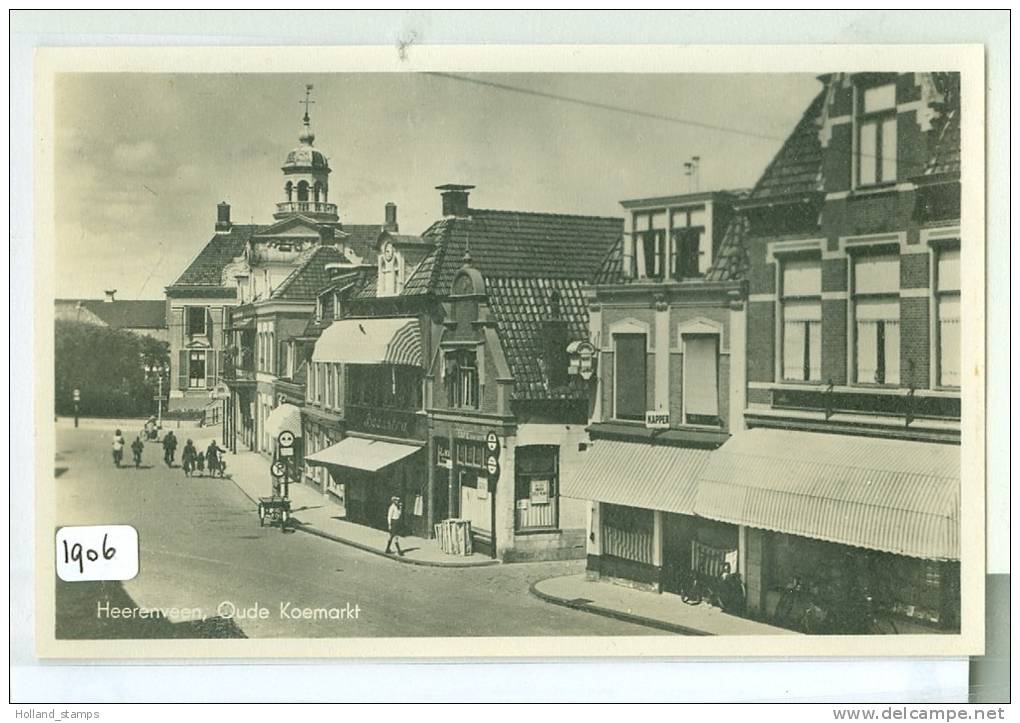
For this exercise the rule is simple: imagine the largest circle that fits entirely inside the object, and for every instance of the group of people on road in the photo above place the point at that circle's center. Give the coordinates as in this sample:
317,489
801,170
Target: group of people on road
192,460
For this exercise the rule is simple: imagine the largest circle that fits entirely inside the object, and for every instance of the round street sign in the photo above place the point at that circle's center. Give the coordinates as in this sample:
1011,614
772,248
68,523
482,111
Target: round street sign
279,469
492,442
286,439
492,465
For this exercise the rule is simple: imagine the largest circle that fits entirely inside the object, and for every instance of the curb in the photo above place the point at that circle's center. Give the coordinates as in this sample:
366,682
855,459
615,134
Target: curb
611,613
368,548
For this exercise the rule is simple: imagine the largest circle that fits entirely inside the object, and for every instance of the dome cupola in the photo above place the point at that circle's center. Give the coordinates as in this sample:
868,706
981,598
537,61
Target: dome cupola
306,176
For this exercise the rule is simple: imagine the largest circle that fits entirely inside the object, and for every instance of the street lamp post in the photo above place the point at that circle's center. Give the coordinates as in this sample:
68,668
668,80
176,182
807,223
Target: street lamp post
77,399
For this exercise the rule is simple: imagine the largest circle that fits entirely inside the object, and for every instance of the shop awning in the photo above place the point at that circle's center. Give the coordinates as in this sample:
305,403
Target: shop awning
370,341
370,455
285,417
636,474
891,495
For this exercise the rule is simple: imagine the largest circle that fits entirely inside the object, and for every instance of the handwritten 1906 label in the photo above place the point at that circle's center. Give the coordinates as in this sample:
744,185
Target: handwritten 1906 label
97,552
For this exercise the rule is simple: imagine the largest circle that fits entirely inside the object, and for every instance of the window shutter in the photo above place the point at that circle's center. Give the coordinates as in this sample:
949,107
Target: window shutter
949,342
793,350
877,275
949,270
210,369
701,375
802,277
182,369
179,323
631,376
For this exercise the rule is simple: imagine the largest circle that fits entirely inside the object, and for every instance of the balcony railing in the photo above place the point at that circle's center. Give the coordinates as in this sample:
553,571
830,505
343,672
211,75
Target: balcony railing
306,207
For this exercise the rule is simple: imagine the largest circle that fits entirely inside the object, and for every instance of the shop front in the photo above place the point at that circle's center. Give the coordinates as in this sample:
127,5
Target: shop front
366,473
843,521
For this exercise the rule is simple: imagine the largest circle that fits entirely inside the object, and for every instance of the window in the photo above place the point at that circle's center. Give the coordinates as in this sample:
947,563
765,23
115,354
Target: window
645,249
537,487
330,388
631,376
461,373
627,532
689,259
876,135
197,317
801,301
701,379
877,319
262,351
947,314
196,370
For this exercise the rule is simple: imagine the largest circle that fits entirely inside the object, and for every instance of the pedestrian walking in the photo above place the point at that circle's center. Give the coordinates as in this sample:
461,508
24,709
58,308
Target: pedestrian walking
118,448
136,450
169,448
189,457
200,464
213,460
393,523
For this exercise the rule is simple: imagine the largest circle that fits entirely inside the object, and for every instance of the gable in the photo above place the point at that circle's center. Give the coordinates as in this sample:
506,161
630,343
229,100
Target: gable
295,227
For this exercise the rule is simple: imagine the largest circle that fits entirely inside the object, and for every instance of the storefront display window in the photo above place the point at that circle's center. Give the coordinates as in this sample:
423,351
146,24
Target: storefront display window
627,533
537,485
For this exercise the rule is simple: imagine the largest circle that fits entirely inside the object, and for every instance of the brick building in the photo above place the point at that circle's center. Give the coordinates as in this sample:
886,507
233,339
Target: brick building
848,475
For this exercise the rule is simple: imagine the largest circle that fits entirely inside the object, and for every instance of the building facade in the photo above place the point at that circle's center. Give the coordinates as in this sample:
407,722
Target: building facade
414,391
667,319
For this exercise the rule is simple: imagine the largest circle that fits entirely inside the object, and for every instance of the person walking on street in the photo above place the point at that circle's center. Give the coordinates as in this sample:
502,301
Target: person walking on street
212,458
169,448
393,523
188,456
118,448
136,450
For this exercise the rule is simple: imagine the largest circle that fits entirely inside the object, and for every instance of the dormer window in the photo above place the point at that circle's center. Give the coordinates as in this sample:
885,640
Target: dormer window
390,277
876,135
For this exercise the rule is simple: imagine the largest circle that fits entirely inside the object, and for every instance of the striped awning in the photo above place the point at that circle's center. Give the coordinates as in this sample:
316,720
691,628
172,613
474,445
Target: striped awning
371,341
285,417
370,455
891,495
636,474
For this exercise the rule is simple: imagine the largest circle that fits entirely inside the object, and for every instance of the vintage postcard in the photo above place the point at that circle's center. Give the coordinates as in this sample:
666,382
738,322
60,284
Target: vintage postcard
436,352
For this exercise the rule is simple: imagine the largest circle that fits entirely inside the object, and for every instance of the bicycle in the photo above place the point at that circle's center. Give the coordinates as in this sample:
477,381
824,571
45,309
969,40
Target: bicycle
798,609
696,588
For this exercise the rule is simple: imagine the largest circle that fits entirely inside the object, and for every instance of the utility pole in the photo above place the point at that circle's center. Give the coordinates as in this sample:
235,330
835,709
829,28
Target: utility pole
77,399
159,402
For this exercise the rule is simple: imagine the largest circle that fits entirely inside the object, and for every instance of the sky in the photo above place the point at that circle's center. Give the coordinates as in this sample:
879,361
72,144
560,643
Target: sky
143,159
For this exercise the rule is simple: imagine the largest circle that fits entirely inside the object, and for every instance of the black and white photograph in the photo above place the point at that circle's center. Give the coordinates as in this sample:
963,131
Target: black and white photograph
648,361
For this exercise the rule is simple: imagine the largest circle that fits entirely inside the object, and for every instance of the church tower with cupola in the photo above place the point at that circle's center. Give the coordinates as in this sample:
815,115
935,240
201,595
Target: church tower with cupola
306,177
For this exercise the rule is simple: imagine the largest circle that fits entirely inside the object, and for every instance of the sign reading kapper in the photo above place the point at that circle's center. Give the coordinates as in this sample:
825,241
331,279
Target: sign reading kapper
97,552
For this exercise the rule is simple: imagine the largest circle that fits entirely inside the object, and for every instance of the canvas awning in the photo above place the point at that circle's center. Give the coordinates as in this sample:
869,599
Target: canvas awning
370,341
370,455
890,495
637,474
285,417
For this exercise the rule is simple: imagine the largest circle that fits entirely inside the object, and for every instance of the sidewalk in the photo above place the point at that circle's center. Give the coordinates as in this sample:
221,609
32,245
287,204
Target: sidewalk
318,515
663,611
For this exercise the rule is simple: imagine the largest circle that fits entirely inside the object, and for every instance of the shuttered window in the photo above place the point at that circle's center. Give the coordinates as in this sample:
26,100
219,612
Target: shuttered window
877,319
948,315
701,378
631,376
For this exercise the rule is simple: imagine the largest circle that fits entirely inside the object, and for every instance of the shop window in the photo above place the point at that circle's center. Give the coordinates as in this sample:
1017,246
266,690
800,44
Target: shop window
877,319
876,135
701,379
801,301
947,314
198,317
631,376
196,370
461,376
627,533
536,487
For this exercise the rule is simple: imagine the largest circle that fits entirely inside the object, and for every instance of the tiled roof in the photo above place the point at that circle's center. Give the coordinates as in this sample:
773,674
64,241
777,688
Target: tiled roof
516,244
945,156
207,268
361,238
310,274
126,314
520,307
797,167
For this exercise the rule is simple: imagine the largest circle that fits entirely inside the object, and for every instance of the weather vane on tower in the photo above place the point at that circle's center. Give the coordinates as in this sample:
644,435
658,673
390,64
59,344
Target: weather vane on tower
308,100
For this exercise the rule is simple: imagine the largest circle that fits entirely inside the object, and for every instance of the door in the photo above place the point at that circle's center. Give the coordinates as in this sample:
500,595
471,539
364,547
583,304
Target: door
676,551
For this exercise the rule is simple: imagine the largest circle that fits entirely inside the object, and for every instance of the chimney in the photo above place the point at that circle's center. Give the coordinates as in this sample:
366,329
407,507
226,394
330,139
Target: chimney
223,217
110,293
391,217
455,199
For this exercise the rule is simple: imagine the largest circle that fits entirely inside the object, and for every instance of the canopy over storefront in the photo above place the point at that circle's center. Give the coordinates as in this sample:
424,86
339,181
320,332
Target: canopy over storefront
371,341
637,474
370,455
285,418
895,496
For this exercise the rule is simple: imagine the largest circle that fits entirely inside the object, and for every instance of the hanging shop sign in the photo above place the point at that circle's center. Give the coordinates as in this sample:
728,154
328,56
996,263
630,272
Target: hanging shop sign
656,420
